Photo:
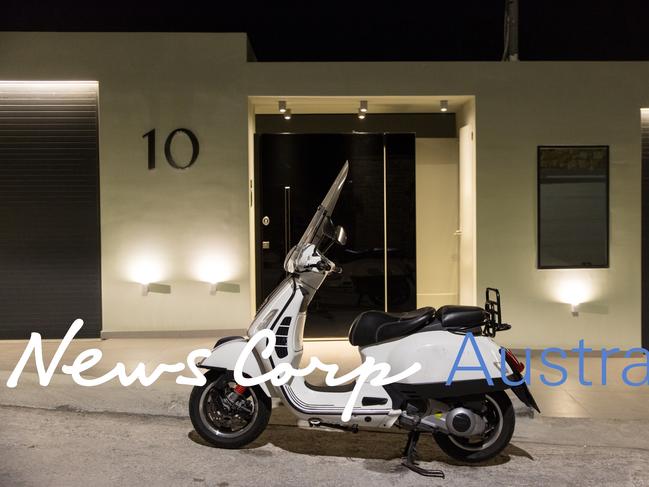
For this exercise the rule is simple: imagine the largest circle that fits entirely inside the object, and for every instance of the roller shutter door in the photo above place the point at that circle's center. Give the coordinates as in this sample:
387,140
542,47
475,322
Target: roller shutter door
49,209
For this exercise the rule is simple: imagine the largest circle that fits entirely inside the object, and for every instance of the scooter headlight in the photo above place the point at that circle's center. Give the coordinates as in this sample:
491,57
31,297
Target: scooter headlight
262,323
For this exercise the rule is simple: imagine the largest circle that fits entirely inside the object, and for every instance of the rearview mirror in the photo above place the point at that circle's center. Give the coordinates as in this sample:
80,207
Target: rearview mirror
341,235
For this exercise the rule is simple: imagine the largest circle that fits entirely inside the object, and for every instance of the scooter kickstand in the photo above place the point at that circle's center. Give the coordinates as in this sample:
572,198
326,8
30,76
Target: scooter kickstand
410,454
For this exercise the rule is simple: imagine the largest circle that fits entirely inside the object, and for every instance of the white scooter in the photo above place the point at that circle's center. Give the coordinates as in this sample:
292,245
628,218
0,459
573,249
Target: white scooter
471,420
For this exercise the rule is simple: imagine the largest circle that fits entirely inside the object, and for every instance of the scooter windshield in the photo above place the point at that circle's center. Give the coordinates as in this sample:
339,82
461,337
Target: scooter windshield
316,230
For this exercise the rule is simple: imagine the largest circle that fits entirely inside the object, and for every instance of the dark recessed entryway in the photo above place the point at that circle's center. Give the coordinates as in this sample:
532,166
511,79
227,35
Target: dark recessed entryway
49,209
294,172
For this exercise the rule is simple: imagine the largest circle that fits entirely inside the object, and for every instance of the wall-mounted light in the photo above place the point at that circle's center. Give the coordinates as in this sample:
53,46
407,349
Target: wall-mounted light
363,106
287,114
361,114
574,309
155,287
210,267
574,292
148,265
443,105
224,287
282,106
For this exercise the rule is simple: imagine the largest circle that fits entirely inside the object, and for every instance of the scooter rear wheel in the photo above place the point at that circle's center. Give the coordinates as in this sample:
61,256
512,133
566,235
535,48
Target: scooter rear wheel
221,424
502,421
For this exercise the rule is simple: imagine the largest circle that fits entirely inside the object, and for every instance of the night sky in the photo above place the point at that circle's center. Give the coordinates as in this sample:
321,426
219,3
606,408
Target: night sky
367,31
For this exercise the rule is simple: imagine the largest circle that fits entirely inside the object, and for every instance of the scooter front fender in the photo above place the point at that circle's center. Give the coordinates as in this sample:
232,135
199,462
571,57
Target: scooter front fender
225,354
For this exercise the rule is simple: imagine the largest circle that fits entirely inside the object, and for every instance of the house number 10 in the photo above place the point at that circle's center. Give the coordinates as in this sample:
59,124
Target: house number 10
150,136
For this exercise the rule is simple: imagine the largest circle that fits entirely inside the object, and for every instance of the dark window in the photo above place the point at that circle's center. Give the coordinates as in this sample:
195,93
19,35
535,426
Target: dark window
573,207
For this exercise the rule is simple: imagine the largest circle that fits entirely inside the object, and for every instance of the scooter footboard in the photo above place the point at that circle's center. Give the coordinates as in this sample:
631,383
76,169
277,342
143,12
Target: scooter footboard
225,354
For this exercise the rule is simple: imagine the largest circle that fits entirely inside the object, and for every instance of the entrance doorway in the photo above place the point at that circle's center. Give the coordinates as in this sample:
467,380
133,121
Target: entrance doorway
377,208
416,218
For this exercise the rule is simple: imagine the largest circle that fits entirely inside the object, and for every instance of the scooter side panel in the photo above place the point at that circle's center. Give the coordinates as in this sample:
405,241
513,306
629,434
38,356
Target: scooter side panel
307,403
283,304
225,356
338,400
437,351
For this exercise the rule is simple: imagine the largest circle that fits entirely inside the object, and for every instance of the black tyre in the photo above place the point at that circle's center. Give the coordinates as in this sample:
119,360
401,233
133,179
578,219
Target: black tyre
221,424
499,412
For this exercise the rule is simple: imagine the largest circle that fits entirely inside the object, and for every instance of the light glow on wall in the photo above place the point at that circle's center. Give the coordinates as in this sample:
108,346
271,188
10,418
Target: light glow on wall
53,86
146,268
574,292
213,269
580,289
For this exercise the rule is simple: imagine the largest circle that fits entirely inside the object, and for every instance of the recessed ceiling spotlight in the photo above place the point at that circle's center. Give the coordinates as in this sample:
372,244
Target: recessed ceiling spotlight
443,105
287,114
361,114
363,107
282,106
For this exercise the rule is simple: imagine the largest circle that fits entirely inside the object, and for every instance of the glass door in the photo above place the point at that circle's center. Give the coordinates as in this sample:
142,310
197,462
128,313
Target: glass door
293,172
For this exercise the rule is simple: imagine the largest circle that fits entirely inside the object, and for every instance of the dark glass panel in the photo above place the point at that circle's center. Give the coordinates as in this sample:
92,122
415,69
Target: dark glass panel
401,222
296,171
573,207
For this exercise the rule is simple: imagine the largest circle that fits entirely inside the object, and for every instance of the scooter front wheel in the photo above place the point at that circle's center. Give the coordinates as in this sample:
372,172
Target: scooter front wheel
222,421
501,420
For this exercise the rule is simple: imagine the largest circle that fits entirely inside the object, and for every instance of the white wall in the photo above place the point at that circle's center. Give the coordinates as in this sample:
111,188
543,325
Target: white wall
170,226
436,166
518,107
202,81
467,226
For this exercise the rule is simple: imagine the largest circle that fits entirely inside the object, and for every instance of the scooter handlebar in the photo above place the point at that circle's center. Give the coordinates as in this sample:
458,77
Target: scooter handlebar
323,266
329,267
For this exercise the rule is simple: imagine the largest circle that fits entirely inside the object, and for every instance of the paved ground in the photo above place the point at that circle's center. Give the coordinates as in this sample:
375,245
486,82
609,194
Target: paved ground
68,435
67,448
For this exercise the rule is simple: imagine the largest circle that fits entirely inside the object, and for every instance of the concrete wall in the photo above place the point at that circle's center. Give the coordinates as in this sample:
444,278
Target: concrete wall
437,220
202,81
467,213
166,225
518,107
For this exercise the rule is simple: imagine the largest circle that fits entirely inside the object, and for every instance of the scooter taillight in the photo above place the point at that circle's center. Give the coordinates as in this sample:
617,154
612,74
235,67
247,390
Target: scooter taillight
239,389
513,362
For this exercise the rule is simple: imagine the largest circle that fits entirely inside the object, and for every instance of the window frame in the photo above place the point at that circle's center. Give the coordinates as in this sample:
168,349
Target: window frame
607,263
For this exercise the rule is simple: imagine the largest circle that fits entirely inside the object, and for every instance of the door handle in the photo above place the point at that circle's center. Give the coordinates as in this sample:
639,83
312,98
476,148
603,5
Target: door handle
457,233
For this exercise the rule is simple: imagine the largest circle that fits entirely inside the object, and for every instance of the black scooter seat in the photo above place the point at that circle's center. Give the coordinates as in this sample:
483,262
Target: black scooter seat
454,316
377,326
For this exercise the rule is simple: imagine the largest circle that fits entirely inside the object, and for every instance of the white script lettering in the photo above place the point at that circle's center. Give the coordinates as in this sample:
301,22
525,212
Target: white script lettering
283,372
91,357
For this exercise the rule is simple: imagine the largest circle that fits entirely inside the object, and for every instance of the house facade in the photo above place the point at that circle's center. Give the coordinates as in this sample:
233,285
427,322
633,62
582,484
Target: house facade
526,155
